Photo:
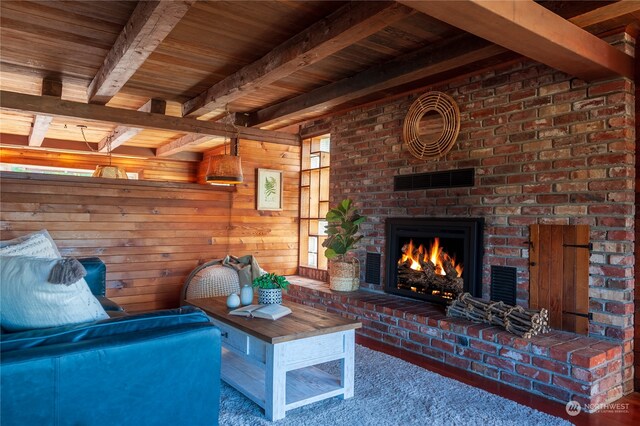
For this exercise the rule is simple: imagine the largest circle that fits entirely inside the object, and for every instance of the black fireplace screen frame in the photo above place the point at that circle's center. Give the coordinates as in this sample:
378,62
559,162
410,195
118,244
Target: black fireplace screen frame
471,229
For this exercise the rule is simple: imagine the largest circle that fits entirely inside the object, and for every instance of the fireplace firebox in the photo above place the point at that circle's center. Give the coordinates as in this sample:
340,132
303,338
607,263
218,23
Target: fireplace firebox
434,259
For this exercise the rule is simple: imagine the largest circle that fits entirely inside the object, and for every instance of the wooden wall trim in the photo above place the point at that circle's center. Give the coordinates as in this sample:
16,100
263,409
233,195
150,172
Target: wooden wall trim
148,170
114,182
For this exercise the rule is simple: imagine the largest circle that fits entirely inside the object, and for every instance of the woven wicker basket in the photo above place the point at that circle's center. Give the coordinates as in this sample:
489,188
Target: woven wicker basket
215,280
344,276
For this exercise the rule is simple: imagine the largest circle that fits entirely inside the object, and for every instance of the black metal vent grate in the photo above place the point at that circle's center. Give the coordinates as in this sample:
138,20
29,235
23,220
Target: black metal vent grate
504,280
449,179
372,271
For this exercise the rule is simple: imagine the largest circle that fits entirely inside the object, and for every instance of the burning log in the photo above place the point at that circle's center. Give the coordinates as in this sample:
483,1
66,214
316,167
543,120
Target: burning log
430,280
431,269
515,319
449,269
444,283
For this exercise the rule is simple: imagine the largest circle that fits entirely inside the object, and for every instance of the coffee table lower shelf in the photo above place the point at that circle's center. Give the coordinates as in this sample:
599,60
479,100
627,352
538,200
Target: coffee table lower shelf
275,363
303,386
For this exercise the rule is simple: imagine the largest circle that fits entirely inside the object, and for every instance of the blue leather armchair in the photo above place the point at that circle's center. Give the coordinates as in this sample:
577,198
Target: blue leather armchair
155,368
96,278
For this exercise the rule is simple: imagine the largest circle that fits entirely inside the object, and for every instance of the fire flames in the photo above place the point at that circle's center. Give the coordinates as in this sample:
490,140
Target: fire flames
435,254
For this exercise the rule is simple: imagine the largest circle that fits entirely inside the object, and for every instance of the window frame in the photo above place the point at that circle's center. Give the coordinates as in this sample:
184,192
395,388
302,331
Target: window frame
314,200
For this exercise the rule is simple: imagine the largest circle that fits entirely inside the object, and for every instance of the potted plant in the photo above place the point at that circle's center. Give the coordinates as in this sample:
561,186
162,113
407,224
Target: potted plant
343,225
270,288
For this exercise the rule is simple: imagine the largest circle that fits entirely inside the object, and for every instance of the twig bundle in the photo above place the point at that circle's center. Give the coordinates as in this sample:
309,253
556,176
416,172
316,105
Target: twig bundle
515,319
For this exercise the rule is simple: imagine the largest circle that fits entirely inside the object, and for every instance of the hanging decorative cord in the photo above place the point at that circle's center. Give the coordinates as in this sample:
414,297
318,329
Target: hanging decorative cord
82,127
228,121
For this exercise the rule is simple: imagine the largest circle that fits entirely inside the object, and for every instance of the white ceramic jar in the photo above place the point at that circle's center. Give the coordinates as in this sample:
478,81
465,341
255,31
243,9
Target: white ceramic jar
246,295
233,301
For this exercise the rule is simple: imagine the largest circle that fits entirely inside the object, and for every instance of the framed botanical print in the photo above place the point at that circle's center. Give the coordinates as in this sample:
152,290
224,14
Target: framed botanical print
269,189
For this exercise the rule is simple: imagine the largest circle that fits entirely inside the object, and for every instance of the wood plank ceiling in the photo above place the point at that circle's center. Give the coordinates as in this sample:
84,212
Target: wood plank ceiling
169,77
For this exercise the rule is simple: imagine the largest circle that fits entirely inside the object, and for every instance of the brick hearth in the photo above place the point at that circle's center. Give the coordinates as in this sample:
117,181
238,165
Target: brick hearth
558,365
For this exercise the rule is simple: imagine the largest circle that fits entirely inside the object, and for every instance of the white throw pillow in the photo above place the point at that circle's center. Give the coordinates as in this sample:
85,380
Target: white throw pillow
29,301
37,244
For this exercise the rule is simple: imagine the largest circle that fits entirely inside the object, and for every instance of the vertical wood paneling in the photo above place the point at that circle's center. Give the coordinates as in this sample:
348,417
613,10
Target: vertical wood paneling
554,253
534,260
569,276
151,235
581,277
559,274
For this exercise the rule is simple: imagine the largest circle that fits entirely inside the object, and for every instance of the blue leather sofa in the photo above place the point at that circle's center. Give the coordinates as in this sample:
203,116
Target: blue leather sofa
156,368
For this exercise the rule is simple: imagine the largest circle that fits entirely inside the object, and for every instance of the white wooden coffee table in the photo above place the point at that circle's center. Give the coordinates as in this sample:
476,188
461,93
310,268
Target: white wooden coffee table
273,362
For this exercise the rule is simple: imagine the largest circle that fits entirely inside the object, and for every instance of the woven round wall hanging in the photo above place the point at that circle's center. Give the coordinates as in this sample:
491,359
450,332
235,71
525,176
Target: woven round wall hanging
430,108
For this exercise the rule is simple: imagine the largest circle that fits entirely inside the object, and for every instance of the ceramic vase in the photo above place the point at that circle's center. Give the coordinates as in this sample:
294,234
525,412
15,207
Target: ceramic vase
233,301
246,295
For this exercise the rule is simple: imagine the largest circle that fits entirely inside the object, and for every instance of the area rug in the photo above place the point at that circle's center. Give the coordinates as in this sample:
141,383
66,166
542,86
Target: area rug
392,392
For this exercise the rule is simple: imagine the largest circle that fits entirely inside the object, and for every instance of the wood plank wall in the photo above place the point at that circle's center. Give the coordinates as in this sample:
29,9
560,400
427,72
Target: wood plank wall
152,234
272,235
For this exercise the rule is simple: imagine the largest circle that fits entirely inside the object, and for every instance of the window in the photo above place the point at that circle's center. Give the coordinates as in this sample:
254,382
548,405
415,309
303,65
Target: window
314,200
26,168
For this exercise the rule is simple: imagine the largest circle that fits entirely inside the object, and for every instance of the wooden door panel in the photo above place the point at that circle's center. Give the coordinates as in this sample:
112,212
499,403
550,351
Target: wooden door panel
559,274
556,285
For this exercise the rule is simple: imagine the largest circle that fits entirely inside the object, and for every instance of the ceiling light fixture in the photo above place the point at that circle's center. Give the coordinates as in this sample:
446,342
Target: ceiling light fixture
225,169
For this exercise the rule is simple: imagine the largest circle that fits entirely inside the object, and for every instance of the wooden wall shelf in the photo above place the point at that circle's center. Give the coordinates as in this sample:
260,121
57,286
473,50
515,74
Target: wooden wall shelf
116,182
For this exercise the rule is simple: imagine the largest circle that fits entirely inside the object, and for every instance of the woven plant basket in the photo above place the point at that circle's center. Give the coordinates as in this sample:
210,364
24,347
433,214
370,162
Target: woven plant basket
344,276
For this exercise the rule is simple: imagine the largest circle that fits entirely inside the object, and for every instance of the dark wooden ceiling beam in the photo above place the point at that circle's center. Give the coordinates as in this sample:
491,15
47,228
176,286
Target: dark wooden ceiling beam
121,134
527,28
42,122
147,120
238,119
606,12
432,60
171,148
150,23
346,26
181,144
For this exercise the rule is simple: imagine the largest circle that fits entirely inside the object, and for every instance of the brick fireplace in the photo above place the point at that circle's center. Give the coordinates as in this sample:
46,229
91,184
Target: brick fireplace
546,148
434,259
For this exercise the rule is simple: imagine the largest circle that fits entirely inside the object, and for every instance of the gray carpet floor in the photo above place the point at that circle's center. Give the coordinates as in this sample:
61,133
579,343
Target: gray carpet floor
392,392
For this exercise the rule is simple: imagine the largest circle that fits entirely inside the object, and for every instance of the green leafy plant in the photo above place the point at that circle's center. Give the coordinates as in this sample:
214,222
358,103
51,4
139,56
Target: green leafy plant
271,281
344,223
269,186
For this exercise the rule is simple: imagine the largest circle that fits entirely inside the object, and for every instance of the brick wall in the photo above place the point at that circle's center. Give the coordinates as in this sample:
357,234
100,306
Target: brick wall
637,230
547,148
